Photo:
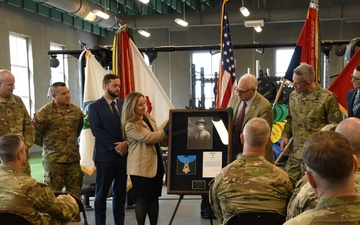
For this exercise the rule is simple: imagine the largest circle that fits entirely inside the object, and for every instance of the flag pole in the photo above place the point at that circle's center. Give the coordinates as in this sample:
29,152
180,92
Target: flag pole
284,151
279,93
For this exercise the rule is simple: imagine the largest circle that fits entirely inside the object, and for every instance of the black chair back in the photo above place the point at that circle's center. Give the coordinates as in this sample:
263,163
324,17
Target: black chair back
257,218
12,218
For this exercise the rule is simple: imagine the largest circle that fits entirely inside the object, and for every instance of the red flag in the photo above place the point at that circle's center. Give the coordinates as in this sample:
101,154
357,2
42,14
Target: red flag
123,63
136,75
343,83
227,79
307,46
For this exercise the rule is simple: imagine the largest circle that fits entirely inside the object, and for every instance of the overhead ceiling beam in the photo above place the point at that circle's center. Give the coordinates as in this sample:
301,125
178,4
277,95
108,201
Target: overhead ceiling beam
210,3
348,12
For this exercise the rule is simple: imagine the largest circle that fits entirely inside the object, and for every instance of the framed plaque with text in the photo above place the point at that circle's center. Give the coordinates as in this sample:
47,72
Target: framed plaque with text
199,147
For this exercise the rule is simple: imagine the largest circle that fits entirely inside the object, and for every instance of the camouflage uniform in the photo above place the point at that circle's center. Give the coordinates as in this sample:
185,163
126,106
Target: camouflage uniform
334,210
57,131
249,184
15,119
305,198
34,201
307,115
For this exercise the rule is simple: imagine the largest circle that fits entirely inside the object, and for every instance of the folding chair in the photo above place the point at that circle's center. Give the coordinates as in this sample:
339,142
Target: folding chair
257,218
11,218
88,189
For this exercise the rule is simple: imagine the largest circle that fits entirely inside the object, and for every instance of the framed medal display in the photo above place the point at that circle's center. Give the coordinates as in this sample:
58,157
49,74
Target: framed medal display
199,147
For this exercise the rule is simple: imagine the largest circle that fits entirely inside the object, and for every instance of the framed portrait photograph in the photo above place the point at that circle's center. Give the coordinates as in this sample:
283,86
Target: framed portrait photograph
200,133
198,149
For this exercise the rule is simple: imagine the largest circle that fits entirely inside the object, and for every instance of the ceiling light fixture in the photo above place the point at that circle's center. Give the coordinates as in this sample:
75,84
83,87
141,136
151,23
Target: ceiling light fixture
101,14
182,22
244,10
54,62
258,29
145,1
90,17
144,33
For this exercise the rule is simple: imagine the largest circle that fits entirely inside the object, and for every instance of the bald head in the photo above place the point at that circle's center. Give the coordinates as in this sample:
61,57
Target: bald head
350,128
247,86
7,83
249,80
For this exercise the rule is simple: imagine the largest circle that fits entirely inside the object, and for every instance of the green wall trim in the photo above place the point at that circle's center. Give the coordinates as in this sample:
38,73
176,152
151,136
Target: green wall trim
78,23
68,19
87,26
44,10
17,3
56,15
30,6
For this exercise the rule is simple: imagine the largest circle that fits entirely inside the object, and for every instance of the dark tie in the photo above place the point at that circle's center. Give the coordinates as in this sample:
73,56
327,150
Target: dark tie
115,112
238,129
356,104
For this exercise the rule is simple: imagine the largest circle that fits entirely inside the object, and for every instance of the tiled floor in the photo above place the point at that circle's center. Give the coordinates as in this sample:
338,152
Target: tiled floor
188,212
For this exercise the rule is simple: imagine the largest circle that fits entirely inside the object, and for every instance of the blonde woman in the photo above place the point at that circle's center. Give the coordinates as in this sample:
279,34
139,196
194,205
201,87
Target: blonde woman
144,163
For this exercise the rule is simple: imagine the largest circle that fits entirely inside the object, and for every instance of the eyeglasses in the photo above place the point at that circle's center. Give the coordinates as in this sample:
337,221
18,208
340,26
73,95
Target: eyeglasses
242,92
354,78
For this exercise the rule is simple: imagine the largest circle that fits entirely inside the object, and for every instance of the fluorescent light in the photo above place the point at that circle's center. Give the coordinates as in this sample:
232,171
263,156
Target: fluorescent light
244,11
145,1
258,29
101,14
144,33
222,131
181,22
90,16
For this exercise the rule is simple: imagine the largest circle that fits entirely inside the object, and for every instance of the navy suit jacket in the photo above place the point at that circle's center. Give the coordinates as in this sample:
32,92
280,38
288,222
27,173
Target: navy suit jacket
350,96
106,130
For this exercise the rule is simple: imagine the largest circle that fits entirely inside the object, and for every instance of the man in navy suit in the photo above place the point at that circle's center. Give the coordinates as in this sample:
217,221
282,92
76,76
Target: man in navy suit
110,151
352,94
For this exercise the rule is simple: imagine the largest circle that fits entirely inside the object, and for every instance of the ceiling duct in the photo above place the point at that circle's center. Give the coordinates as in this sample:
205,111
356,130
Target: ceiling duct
83,8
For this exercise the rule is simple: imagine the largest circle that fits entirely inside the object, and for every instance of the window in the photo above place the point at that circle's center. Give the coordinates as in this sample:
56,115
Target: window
210,63
283,57
59,74
20,67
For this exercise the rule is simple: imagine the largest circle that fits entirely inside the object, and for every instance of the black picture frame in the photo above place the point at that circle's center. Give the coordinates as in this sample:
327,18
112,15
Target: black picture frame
186,162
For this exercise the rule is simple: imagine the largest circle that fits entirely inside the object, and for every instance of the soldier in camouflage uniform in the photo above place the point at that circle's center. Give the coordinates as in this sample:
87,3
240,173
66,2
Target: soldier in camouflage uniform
23,194
305,198
310,108
14,118
57,128
330,166
250,183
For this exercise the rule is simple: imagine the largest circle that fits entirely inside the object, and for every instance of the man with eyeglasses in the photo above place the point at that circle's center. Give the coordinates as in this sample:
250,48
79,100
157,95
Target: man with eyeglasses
249,104
310,108
353,95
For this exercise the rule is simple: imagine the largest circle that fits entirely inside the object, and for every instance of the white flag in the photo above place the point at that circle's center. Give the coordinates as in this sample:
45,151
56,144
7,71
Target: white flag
147,84
93,90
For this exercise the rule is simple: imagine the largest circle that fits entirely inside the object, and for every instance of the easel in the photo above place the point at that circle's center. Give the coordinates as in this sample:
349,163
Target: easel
181,197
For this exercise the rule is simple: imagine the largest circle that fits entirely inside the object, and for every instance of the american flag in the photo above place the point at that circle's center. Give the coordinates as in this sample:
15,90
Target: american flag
227,76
